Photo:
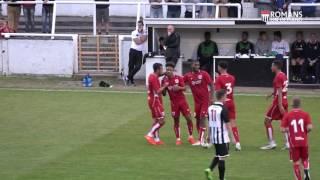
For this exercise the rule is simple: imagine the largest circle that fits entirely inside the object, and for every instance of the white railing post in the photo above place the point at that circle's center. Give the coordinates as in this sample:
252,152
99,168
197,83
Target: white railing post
217,11
289,8
193,11
94,16
239,11
54,18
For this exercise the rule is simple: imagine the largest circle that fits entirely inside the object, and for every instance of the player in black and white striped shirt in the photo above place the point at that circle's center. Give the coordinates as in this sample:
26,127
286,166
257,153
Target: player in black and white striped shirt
219,128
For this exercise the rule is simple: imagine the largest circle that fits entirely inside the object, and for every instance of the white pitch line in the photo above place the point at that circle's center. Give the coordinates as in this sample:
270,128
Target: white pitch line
128,92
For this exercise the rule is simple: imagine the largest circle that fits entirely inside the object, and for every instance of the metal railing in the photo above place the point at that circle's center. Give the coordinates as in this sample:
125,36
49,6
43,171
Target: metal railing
302,5
94,3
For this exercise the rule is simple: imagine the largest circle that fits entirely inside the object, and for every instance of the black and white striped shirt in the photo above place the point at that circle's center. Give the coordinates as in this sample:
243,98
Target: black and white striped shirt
218,117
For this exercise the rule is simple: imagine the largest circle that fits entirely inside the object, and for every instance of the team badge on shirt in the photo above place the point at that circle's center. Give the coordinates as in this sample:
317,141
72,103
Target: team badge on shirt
176,81
199,76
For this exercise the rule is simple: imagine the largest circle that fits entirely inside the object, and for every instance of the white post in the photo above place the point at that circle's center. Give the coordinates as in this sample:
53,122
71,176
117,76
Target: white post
239,11
214,69
54,18
217,11
94,19
193,11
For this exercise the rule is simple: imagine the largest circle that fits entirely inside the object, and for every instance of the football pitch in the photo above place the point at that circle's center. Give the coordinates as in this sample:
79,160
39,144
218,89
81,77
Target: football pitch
65,135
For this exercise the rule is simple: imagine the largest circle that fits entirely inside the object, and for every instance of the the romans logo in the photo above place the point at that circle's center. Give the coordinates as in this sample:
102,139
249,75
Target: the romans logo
267,15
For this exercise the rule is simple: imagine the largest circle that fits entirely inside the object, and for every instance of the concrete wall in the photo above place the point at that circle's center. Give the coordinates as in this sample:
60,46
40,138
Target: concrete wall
38,57
225,38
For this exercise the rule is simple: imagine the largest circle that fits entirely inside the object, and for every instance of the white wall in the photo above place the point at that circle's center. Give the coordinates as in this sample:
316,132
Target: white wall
39,57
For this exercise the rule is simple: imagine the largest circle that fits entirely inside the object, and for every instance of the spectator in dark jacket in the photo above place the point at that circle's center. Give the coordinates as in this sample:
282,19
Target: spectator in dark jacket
206,50
244,46
28,12
172,44
174,11
311,66
47,10
14,11
298,49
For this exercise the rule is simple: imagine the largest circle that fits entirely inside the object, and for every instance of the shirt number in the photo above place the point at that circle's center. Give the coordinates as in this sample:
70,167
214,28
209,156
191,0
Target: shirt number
297,124
229,88
285,86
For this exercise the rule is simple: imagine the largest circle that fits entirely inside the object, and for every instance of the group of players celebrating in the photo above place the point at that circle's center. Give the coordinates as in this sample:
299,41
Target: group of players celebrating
218,114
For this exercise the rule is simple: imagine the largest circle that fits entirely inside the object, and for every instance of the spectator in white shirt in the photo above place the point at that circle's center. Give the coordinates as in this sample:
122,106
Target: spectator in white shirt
279,46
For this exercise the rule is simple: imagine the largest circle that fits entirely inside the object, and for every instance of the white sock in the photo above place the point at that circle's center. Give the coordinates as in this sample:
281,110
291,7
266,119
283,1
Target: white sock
154,127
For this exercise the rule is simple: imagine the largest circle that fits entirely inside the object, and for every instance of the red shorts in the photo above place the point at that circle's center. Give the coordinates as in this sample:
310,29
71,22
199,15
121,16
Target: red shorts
274,113
201,110
157,110
231,109
180,107
298,153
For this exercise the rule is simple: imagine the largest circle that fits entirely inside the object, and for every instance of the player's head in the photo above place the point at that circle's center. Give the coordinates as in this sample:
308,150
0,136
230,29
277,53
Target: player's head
222,66
140,25
158,68
277,36
263,36
299,35
296,102
276,66
221,95
313,37
169,69
170,29
207,36
245,36
195,65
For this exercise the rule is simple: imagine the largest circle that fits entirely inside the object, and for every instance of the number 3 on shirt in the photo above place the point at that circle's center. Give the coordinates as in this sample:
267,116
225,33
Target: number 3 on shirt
295,124
285,86
229,88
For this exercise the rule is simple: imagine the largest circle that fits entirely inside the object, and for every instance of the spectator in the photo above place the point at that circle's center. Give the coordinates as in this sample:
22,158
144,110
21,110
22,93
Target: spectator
4,27
223,11
233,11
156,11
244,46
308,11
172,44
207,11
263,45
279,46
161,46
102,12
206,51
14,11
139,37
47,10
264,5
174,11
189,9
311,66
298,48
28,12
282,5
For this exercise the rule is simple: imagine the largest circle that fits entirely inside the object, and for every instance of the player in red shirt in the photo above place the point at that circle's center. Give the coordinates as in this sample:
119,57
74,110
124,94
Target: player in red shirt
155,104
279,105
200,82
227,81
297,124
176,87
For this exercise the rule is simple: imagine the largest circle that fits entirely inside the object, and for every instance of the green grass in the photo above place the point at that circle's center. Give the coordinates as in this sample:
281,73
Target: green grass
81,135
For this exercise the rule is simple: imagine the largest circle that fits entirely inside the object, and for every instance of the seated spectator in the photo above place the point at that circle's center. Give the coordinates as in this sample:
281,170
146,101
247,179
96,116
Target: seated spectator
28,12
244,46
279,46
281,5
206,50
263,5
4,27
311,66
156,11
308,11
298,48
14,11
263,45
189,9
174,11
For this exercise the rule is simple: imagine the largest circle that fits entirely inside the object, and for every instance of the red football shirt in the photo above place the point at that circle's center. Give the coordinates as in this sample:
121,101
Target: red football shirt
280,81
175,96
199,82
153,87
297,121
227,82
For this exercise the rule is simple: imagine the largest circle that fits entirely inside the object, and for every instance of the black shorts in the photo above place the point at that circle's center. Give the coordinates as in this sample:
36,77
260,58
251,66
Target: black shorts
222,150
